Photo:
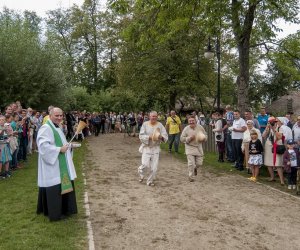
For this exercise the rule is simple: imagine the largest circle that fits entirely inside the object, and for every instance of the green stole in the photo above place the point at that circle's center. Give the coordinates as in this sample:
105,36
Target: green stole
66,184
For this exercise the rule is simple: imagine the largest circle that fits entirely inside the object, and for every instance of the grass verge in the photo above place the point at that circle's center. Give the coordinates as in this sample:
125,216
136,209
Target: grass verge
218,168
22,228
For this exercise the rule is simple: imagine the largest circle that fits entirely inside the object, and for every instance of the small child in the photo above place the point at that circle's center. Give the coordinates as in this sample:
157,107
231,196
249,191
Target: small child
255,155
291,163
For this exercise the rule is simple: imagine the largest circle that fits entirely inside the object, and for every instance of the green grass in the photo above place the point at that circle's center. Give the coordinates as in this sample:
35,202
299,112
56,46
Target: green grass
22,228
211,164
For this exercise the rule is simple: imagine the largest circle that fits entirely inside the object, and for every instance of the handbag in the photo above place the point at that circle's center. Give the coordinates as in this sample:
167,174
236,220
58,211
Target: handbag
218,137
280,149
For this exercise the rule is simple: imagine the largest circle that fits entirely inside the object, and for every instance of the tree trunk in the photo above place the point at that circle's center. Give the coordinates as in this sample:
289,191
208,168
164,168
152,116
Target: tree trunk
242,28
172,100
242,80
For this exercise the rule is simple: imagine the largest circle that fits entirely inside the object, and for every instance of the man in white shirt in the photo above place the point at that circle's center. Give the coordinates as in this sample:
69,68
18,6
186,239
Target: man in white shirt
238,128
150,147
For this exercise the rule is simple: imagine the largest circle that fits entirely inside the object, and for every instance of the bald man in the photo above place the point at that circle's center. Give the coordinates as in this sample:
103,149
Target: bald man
56,171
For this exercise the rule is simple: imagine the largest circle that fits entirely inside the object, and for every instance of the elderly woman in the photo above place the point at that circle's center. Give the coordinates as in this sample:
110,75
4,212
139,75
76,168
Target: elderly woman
287,132
273,159
247,139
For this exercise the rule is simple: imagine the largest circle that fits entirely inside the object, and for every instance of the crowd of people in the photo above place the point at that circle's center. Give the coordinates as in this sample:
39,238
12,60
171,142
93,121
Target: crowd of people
251,142
246,140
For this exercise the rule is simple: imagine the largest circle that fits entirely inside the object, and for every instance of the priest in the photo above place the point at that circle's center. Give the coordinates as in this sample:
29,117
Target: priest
56,171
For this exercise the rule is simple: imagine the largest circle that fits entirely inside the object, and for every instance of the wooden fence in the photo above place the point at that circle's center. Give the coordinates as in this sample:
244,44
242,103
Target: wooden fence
210,145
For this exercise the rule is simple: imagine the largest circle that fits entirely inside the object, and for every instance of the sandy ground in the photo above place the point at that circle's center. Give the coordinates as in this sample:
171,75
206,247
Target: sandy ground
214,212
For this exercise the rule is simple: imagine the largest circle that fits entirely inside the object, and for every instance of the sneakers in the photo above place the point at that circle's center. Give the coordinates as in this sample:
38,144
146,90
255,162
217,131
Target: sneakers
294,187
141,179
150,184
289,187
7,174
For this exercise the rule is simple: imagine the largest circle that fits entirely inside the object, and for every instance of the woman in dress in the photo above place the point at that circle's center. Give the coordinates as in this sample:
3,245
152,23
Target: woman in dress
273,136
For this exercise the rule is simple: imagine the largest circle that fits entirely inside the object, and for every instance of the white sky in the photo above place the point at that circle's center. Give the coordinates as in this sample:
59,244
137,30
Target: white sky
42,6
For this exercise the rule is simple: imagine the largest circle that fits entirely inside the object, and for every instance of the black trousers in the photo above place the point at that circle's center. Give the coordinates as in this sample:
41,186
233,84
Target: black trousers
54,205
97,128
102,128
292,176
238,155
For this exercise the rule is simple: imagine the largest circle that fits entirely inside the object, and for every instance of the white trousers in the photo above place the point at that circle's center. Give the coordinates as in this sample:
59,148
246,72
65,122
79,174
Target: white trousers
149,161
194,161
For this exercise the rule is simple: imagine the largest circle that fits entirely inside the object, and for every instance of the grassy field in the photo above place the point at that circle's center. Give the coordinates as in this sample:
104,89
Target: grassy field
212,164
22,228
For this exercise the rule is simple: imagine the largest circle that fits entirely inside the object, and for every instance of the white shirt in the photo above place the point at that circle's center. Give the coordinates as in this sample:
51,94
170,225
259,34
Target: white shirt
148,146
48,164
287,132
296,130
238,124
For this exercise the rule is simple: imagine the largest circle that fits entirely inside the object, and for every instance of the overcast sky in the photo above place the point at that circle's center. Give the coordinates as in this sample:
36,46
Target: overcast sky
42,6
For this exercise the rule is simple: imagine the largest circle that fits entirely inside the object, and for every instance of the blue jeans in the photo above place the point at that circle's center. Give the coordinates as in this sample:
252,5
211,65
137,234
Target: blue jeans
229,149
174,139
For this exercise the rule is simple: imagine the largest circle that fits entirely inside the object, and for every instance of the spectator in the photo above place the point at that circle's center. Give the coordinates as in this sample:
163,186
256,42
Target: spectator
5,155
272,159
255,151
262,119
289,122
228,141
296,130
219,135
238,128
173,127
287,132
291,163
247,139
22,154
249,116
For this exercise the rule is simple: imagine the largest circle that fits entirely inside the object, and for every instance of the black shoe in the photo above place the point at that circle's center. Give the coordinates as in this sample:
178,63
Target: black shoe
240,169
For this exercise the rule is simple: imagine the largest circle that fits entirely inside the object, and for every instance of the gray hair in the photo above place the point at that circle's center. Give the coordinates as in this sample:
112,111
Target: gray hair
54,109
153,112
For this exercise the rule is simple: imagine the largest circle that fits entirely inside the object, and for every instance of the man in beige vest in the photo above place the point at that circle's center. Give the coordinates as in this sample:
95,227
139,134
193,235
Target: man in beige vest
192,136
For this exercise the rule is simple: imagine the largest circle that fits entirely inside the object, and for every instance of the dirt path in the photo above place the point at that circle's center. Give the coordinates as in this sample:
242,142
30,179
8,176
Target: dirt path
215,212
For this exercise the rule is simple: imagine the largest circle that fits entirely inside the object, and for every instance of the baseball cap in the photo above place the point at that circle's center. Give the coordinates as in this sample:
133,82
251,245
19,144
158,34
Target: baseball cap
290,142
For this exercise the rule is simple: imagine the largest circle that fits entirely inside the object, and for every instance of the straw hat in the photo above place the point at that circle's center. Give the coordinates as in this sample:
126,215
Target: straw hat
80,127
156,134
200,137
